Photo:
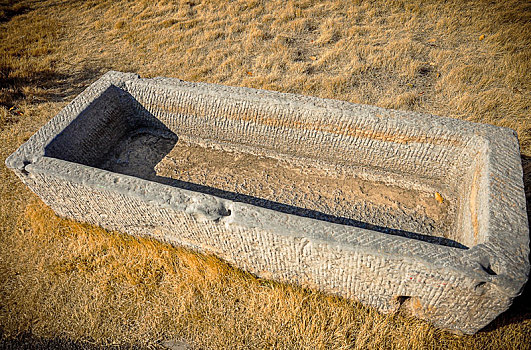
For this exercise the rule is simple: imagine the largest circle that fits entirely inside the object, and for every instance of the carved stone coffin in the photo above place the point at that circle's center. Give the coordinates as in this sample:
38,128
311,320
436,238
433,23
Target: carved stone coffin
394,209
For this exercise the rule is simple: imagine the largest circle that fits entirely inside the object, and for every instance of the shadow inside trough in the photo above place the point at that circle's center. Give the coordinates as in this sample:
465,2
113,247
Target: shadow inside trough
304,212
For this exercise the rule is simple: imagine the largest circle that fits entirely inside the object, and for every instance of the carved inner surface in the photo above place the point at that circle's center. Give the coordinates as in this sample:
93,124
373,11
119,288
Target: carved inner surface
333,193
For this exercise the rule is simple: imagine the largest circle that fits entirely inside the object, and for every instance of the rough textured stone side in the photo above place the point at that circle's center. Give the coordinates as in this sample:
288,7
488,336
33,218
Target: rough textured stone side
458,289
446,297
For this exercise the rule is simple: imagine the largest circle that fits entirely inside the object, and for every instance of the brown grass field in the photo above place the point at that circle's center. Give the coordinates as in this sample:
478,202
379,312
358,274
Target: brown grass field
63,279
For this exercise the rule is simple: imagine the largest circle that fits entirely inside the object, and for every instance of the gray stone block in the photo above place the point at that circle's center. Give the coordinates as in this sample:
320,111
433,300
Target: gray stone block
394,209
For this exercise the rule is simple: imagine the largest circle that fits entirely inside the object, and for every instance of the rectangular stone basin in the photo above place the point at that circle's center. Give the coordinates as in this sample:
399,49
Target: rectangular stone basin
394,209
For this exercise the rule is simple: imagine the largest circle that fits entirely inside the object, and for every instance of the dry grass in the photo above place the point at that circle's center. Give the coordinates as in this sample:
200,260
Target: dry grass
469,60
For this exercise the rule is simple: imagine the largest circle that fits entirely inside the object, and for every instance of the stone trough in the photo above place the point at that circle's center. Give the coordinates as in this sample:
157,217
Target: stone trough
394,209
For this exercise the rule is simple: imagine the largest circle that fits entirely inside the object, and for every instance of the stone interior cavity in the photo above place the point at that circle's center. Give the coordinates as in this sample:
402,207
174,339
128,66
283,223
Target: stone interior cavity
333,193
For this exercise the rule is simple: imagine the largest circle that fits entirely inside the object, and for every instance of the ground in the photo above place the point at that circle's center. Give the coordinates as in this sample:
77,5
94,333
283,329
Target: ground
65,280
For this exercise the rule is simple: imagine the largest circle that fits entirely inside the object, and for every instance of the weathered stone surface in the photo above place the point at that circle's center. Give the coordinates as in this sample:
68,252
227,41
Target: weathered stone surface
389,208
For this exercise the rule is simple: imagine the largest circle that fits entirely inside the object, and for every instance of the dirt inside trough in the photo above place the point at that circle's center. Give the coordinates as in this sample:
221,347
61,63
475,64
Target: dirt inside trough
327,193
